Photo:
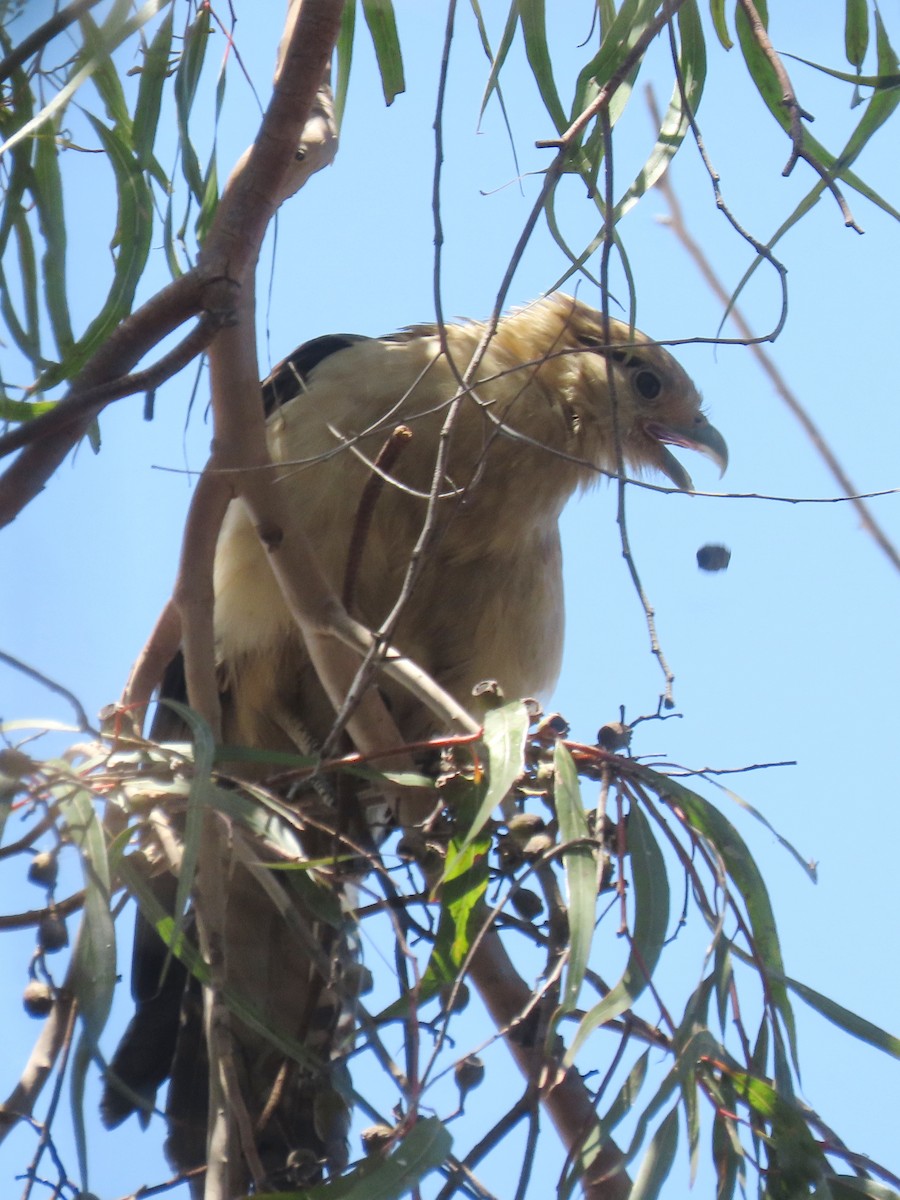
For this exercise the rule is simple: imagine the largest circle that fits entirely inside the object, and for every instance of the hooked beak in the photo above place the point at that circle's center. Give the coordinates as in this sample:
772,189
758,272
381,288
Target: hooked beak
699,436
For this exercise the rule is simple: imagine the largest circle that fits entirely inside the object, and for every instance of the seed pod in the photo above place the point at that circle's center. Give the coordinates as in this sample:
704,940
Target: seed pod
52,933
538,845
357,979
527,903
13,766
37,998
524,825
469,1073
44,869
375,1138
454,999
614,736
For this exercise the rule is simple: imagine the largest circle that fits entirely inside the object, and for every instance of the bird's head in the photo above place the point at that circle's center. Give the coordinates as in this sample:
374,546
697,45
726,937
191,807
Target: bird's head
621,382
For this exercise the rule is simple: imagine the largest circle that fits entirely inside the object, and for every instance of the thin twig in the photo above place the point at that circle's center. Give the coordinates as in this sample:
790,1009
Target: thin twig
677,224
88,403
37,40
81,716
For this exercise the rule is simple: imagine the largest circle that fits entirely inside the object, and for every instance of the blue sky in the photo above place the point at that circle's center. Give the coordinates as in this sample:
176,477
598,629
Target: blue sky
792,654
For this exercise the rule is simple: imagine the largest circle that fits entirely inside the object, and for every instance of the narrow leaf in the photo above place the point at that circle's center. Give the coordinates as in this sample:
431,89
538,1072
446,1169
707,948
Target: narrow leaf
856,31
93,969
656,1165
711,824
717,12
847,1020
48,199
505,734
379,16
506,40
534,29
154,72
344,55
204,754
580,865
187,78
651,918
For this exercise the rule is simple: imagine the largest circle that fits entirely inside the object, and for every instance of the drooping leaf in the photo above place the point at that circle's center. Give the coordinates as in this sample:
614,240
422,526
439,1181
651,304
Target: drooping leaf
656,1165
847,1020
675,123
93,969
154,72
717,12
580,863
344,57
187,79
505,734
534,29
745,874
382,23
204,755
48,200
498,59
651,918
856,31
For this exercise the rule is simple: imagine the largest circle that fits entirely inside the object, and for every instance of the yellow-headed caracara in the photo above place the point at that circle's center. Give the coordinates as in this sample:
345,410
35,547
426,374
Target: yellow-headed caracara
554,401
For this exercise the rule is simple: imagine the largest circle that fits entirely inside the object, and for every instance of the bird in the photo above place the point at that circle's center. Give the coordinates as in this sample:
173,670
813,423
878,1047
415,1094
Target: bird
554,398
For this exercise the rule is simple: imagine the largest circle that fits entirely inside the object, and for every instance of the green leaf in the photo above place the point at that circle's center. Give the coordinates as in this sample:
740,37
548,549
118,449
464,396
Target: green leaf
27,338
105,77
656,1165
344,55
651,918
619,39
851,1187
154,72
717,12
204,755
48,199
743,871
187,78
422,1151
534,30
132,239
808,866
93,968
506,40
580,863
379,16
505,735
879,108
847,1020
675,123
462,890
627,1095
856,31
81,76
187,953
879,82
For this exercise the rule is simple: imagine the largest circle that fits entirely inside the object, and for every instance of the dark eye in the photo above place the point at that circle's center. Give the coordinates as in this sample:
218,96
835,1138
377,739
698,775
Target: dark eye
647,384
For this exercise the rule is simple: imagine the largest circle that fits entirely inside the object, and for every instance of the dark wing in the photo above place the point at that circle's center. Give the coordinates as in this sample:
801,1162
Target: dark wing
288,379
